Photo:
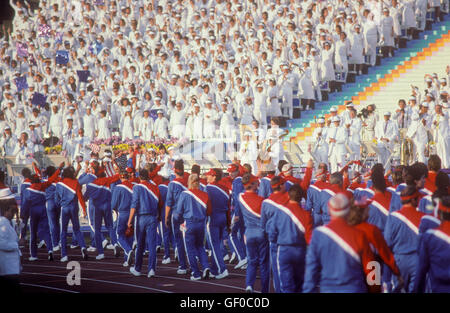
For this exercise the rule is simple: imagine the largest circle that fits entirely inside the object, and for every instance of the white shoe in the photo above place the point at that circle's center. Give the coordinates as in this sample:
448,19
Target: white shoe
233,256
134,272
176,253
129,256
249,289
196,278
41,244
226,257
105,243
110,246
244,267
74,246
64,259
91,249
206,273
151,274
32,258
56,248
222,275
165,261
125,264
100,257
241,263
181,271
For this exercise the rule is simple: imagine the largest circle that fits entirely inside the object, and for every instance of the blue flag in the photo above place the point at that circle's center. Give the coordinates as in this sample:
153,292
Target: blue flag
83,76
62,57
21,83
153,114
38,99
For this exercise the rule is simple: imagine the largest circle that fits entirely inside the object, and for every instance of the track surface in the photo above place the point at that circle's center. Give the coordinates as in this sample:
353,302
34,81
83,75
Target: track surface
109,276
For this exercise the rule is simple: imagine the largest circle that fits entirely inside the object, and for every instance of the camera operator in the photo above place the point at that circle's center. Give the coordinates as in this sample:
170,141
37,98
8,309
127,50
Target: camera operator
369,120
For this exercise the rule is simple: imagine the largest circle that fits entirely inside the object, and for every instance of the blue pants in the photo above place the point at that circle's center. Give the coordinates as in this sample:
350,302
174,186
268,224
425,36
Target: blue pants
166,236
407,264
273,262
70,214
237,240
214,229
91,219
291,267
194,236
38,217
257,256
124,242
145,227
179,242
106,215
54,215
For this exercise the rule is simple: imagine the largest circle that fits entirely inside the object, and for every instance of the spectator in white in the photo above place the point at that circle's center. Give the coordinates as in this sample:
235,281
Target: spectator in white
3,122
418,131
386,132
305,87
276,149
89,123
8,142
353,128
258,133
40,122
9,242
327,63
319,145
260,105
371,37
343,51
35,138
159,106
402,115
146,127
178,120
21,122
337,136
127,128
161,126
286,81
227,123
345,115
197,122
24,150
274,108
441,134
357,43
56,122
387,31
69,134
248,151
103,126
82,145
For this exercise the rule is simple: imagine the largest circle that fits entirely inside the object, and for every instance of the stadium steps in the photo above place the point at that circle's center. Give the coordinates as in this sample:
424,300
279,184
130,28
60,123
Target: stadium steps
367,85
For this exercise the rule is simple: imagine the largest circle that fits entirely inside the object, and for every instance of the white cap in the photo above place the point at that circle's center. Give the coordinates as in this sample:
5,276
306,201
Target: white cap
425,104
412,98
336,119
160,112
387,113
333,109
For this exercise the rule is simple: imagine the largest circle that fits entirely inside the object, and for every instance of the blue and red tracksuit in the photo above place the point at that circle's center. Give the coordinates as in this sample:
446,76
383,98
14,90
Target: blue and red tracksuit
147,202
426,205
54,214
122,195
257,244
379,209
367,192
349,250
193,207
402,236
33,202
99,193
396,201
430,183
69,197
304,183
237,228
434,260
218,221
265,188
294,228
166,232
325,195
313,200
24,216
175,188
356,188
84,179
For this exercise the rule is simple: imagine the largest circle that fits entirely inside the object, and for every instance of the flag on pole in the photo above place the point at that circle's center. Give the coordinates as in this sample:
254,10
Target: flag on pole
44,30
38,99
21,83
22,49
62,57
83,76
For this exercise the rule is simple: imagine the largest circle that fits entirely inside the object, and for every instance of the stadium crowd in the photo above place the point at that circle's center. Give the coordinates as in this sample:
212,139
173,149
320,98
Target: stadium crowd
222,69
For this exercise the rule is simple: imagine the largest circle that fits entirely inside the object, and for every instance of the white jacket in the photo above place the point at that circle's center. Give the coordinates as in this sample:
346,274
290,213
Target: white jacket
9,249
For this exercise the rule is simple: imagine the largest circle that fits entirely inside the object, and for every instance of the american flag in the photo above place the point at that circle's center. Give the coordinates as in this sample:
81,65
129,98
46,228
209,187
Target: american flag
122,162
95,148
22,49
44,30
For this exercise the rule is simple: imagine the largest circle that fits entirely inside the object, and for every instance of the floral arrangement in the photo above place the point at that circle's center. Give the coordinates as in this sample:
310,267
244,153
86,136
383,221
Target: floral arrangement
53,150
123,145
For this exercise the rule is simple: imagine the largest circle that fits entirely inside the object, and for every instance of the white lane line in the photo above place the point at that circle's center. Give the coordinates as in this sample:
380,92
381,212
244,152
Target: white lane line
162,276
101,281
47,287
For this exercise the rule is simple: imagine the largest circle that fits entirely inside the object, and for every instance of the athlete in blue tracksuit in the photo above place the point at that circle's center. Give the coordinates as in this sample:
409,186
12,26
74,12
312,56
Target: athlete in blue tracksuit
313,195
122,195
402,235
26,173
294,228
33,202
193,206
69,197
167,235
146,204
218,221
53,211
237,224
346,246
175,188
333,188
257,243
434,255
99,193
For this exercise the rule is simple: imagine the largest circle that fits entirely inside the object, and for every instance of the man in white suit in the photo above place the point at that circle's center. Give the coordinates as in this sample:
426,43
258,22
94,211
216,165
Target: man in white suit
386,132
337,137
